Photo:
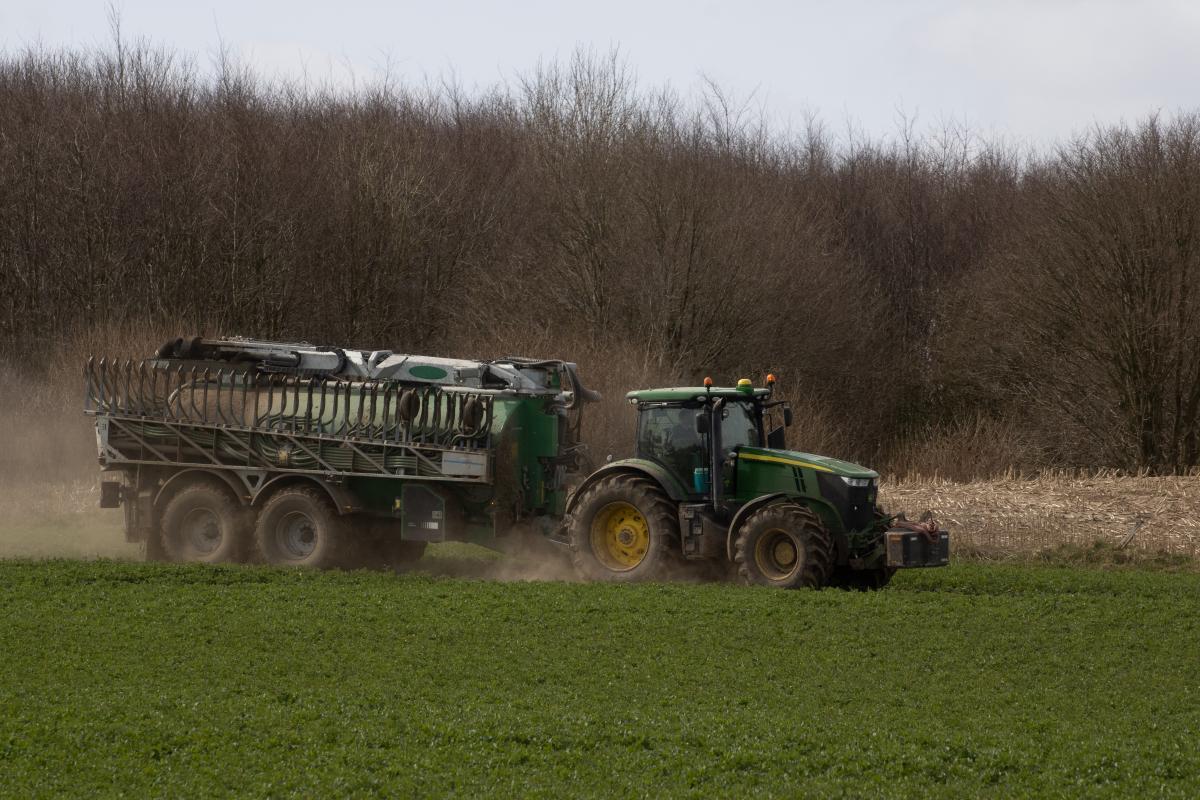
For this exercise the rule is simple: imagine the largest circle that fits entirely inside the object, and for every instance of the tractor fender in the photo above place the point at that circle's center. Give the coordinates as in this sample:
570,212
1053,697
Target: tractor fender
664,479
184,476
343,500
746,510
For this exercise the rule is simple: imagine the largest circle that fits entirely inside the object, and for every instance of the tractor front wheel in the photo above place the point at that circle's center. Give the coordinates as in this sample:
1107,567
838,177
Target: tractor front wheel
784,545
623,528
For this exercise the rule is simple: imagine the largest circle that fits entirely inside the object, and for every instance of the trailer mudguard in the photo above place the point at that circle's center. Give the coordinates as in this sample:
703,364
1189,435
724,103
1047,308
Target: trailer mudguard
183,476
343,500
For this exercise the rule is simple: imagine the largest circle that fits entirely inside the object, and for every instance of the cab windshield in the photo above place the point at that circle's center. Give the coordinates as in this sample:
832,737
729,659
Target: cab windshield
738,427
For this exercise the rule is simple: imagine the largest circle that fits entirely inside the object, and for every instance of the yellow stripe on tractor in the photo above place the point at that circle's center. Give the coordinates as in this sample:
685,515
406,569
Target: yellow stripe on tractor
780,460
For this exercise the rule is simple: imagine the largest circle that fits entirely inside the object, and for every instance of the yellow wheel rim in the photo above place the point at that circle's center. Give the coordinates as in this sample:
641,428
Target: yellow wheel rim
777,555
620,536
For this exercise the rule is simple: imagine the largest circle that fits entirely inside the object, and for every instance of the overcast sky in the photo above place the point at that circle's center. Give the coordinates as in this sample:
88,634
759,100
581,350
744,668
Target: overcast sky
1028,71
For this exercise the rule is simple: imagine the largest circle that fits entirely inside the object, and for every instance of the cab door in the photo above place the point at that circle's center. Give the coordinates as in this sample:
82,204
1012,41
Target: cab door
667,436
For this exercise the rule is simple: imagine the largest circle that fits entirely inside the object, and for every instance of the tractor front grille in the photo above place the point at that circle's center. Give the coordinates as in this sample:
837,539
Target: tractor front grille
855,504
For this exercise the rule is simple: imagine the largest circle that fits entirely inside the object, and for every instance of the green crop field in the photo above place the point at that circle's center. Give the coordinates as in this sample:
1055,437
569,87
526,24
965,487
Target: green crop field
123,678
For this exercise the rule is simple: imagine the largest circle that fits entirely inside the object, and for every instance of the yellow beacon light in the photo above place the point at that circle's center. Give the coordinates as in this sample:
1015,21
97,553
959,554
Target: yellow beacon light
771,377
708,382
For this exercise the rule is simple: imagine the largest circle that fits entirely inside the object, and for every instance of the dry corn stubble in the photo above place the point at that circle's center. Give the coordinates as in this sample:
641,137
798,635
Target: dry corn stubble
1014,515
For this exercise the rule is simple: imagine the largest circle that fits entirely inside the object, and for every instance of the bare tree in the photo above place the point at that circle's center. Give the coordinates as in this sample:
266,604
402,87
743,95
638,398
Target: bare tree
1113,294
907,289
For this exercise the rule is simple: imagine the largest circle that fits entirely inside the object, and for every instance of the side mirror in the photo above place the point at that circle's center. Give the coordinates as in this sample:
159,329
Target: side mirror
702,425
787,416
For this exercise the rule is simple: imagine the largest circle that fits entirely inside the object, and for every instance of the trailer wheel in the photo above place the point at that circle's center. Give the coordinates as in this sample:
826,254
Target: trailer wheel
299,527
200,523
623,528
784,545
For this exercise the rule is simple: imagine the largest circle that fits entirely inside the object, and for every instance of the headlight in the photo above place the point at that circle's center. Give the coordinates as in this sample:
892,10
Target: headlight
857,482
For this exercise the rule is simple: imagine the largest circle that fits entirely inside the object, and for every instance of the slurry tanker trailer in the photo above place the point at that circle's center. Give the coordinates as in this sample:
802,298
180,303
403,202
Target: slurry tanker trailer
291,454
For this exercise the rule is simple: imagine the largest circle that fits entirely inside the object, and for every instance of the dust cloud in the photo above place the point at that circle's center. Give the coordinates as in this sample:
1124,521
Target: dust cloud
49,494
49,487
455,561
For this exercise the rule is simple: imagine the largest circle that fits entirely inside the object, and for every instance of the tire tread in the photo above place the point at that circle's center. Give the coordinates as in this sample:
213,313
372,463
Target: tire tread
338,547
660,514
225,506
819,548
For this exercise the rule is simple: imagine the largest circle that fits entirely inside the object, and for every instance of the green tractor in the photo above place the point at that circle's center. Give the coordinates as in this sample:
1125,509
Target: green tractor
712,482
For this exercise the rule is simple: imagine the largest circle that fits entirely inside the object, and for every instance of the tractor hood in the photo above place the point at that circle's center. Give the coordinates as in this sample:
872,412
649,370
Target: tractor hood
808,460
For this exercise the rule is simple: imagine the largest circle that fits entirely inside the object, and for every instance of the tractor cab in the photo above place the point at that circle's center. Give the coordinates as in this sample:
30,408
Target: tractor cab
695,433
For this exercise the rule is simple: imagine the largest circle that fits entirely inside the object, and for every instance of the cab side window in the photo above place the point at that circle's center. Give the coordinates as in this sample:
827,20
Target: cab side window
668,435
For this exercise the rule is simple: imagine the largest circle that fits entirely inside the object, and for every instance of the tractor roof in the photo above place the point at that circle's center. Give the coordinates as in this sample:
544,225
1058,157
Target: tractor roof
678,394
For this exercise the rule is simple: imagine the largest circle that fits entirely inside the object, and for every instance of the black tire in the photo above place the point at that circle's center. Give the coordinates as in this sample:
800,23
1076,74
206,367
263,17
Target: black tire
784,545
202,523
299,527
623,528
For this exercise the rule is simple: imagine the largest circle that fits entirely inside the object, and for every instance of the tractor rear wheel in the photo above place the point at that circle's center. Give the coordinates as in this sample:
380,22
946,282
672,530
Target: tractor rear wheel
623,528
299,527
784,545
201,524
